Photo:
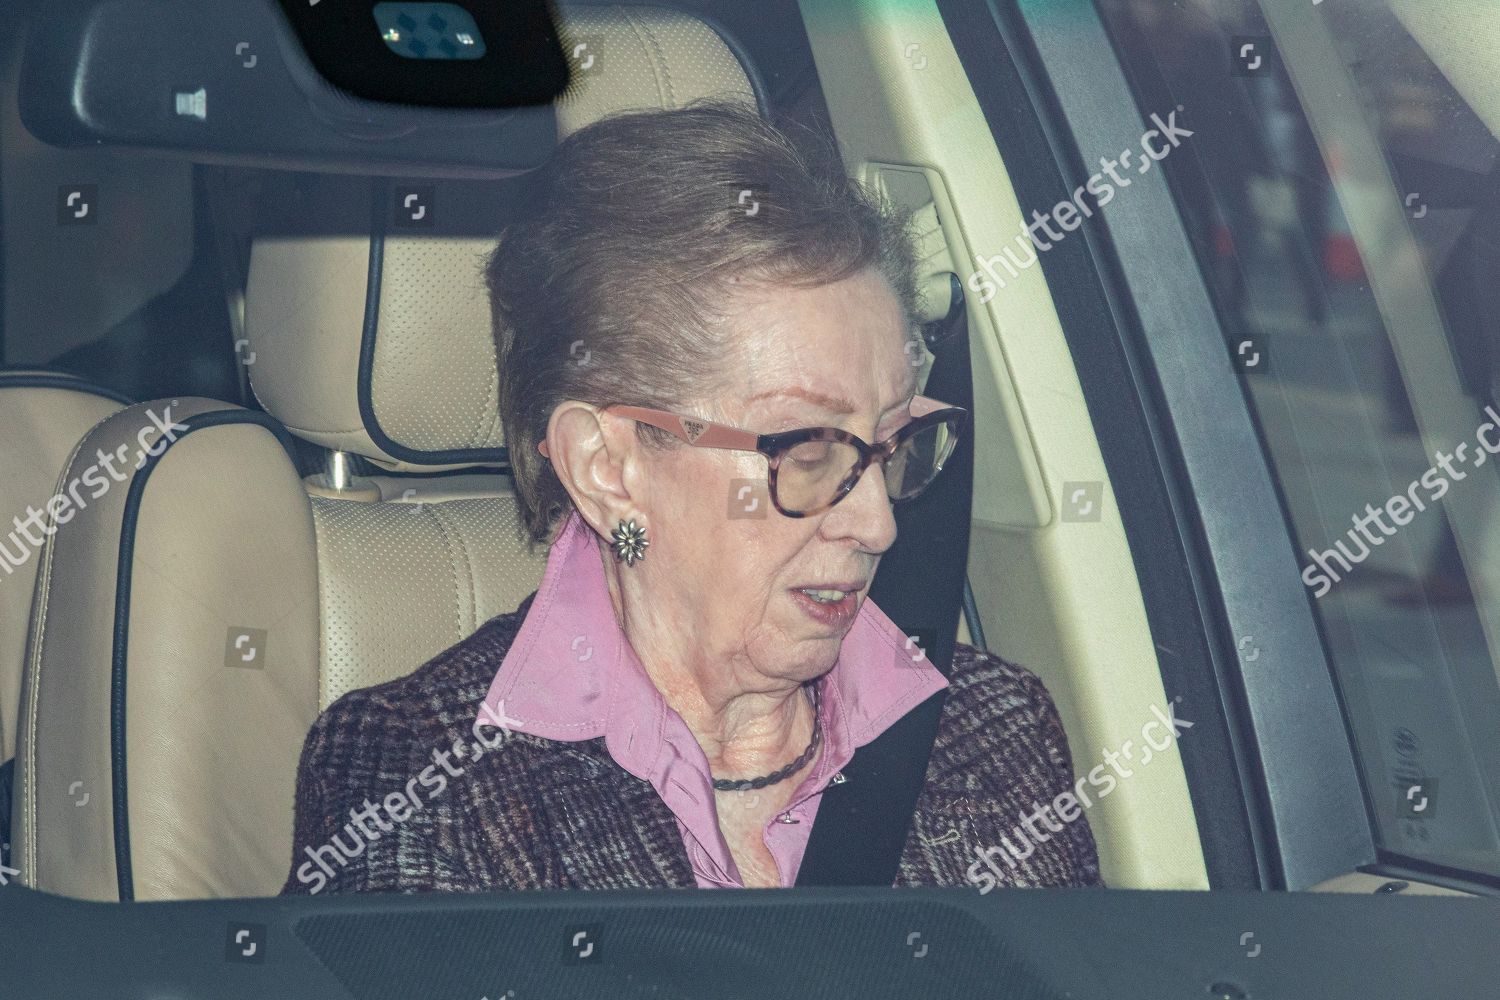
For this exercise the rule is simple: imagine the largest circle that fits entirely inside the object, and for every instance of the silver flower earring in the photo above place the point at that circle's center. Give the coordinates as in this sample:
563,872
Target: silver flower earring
629,542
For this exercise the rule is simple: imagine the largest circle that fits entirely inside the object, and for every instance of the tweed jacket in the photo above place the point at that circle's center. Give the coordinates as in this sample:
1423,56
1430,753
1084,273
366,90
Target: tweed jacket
534,813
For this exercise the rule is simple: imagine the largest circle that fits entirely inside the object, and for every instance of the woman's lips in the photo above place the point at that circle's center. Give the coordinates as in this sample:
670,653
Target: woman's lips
835,614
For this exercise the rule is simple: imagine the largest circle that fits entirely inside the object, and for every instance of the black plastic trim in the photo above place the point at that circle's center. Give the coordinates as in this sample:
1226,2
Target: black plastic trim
1396,866
522,66
98,73
7,792
120,647
790,943
4,277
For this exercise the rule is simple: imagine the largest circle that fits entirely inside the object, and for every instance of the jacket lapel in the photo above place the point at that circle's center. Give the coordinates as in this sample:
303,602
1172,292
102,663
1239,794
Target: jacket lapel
610,829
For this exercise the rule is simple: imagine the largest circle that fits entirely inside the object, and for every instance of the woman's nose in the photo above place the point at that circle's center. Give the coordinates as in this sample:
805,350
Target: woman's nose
865,513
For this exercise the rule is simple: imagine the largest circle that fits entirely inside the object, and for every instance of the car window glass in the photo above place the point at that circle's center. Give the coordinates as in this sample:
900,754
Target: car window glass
1378,429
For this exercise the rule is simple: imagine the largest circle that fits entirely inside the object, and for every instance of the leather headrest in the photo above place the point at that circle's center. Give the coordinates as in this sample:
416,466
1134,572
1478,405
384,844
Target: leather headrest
380,343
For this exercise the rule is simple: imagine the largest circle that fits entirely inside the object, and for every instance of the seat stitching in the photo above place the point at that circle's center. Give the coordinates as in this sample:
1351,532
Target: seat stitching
658,66
494,427
487,415
666,68
321,675
305,431
463,549
452,565
41,596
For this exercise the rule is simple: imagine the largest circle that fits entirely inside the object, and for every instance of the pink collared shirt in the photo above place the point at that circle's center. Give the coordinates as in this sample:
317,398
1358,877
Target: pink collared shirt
572,675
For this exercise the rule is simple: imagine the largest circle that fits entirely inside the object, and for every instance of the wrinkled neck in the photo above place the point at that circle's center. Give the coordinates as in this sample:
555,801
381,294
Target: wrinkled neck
746,724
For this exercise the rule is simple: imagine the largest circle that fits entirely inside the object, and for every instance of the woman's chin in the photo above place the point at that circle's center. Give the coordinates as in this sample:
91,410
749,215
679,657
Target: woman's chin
809,664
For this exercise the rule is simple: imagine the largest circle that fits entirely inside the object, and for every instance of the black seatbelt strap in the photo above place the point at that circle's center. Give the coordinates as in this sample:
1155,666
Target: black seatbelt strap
862,824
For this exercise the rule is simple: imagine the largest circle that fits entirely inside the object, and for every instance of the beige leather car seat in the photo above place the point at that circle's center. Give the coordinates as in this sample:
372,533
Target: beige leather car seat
199,616
43,415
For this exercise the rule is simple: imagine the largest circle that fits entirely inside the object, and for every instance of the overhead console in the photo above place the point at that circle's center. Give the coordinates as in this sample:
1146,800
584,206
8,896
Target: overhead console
444,89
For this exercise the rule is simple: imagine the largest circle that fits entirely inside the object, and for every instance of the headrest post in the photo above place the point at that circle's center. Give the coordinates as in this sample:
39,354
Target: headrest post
338,470
338,481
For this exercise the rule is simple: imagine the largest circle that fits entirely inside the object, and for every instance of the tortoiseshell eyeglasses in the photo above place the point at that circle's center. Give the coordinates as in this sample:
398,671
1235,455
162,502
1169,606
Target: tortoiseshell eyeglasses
813,468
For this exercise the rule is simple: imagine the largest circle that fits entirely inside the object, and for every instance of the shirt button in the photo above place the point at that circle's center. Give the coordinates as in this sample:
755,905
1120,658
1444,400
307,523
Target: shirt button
787,817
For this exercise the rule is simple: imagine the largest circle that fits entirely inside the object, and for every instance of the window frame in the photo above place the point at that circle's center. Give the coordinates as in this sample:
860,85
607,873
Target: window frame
1271,770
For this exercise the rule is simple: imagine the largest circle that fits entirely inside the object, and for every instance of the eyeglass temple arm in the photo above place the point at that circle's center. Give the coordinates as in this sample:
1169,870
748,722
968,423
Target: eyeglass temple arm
698,433
707,434
923,405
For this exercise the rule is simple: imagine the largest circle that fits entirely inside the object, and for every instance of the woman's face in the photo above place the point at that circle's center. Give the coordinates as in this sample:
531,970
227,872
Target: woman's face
726,567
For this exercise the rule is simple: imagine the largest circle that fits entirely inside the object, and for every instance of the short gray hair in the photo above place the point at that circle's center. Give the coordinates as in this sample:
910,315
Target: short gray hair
609,288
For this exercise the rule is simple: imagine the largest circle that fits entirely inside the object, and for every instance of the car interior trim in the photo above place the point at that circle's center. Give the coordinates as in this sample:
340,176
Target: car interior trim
1090,318
1297,778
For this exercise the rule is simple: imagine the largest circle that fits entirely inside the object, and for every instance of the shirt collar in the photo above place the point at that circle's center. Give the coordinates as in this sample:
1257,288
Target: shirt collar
570,674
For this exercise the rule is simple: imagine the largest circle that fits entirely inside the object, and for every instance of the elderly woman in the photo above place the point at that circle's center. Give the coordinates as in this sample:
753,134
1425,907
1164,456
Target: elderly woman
710,408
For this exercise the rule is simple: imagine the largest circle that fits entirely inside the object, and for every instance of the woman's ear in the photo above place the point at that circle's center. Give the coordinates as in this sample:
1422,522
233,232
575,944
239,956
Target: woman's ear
589,455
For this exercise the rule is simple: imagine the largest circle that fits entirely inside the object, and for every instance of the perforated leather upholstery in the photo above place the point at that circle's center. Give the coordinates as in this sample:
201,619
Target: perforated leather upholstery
645,57
192,624
437,569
